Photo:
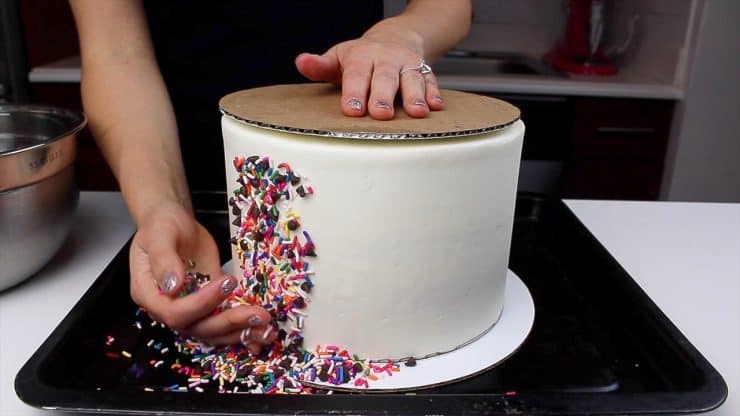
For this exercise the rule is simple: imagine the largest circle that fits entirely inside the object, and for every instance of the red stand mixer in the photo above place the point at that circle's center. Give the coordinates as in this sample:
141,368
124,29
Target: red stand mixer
579,52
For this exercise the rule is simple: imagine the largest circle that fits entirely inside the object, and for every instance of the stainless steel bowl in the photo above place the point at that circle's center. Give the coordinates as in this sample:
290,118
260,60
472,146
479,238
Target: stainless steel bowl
38,193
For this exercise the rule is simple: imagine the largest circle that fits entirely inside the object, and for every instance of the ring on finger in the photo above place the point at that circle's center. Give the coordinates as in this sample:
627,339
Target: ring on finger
244,336
423,68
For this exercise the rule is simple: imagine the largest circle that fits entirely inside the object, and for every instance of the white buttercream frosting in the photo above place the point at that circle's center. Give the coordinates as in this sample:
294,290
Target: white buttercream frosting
412,237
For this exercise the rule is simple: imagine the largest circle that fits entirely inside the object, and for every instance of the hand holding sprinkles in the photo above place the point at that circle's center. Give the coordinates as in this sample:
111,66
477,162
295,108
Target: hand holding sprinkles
273,251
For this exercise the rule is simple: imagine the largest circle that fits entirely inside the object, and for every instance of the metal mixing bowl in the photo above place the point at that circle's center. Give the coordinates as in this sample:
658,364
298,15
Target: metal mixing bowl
38,193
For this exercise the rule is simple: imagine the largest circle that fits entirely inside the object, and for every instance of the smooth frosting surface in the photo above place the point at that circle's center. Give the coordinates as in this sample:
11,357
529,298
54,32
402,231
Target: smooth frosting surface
412,237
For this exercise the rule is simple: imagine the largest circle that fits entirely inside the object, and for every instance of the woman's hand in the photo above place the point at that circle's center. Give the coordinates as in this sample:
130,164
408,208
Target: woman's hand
165,240
371,70
387,58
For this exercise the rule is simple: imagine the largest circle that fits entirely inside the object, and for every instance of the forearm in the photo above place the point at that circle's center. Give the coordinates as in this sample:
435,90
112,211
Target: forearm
133,123
431,27
130,115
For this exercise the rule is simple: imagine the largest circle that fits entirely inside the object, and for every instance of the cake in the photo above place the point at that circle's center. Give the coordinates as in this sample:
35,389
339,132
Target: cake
389,239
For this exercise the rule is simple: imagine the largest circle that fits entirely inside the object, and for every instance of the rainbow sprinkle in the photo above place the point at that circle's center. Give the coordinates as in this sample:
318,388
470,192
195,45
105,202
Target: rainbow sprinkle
274,252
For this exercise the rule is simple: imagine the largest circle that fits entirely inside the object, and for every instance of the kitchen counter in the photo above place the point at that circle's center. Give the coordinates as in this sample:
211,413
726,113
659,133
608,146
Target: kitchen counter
684,255
626,84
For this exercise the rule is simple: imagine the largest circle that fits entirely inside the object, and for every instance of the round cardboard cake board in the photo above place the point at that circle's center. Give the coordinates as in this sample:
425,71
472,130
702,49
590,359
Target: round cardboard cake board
501,341
315,108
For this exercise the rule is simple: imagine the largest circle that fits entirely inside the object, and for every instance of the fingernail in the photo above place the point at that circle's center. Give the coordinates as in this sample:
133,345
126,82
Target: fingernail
267,333
244,338
228,285
168,282
438,99
420,102
255,320
383,104
354,104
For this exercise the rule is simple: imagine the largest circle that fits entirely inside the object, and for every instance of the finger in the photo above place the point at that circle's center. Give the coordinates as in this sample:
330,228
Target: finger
433,94
356,76
231,320
383,91
254,348
146,289
262,335
413,93
205,253
182,312
318,67
158,247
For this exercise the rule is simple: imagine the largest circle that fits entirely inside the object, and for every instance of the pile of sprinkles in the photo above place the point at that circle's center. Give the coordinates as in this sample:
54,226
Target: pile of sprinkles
273,250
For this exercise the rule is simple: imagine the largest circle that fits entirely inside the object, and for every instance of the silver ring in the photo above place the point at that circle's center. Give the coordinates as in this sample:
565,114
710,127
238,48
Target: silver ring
423,68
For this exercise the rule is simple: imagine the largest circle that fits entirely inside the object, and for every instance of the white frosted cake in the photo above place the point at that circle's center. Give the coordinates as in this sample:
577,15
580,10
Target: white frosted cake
388,239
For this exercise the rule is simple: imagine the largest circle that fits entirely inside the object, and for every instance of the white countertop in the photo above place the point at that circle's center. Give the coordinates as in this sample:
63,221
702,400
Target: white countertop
625,84
686,256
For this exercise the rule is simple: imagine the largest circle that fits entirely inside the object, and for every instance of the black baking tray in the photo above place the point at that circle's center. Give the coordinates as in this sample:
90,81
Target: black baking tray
599,345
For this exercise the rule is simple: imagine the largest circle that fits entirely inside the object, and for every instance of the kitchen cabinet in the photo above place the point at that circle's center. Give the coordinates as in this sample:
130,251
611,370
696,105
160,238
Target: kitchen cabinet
603,147
618,148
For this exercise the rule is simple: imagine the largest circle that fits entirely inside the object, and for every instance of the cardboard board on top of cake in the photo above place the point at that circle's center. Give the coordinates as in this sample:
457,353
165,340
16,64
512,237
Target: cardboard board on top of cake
315,109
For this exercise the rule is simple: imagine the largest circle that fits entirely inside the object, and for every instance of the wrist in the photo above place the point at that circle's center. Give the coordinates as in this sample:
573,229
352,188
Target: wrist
392,30
144,203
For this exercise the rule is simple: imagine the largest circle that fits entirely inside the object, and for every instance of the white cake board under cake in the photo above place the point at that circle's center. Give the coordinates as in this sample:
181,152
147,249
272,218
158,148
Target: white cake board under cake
493,347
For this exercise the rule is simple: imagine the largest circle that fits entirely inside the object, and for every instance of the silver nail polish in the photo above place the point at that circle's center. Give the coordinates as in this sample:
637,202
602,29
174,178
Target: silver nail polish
168,282
383,104
354,104
267,333
227,286
254,320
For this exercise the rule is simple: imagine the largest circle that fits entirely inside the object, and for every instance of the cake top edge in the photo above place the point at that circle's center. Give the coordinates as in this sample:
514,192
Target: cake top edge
369,135
314,109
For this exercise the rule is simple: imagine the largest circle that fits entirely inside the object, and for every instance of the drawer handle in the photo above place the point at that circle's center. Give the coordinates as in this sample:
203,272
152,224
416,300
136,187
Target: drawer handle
625,130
